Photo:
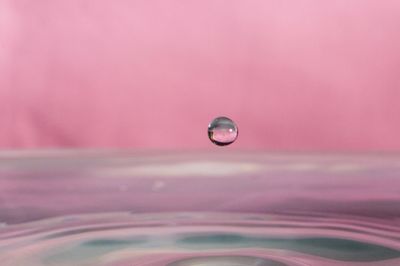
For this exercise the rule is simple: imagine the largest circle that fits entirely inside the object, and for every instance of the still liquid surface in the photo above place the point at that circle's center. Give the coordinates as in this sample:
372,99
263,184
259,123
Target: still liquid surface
199,209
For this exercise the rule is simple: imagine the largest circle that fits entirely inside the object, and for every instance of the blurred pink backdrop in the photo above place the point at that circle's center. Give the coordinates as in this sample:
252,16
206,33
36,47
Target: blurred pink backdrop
294,75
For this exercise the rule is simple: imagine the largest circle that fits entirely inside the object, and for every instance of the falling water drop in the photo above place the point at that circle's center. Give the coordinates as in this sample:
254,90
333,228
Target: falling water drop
222,131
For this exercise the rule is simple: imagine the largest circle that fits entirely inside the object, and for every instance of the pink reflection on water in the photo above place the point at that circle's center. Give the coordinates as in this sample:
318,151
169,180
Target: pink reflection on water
76,202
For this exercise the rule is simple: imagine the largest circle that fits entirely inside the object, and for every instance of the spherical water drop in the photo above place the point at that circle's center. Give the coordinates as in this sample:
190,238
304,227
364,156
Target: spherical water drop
222,131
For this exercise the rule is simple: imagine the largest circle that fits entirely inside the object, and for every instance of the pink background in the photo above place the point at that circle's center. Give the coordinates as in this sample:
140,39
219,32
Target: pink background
294,75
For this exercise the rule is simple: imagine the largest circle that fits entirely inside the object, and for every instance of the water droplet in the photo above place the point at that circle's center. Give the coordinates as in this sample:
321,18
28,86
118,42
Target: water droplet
222,131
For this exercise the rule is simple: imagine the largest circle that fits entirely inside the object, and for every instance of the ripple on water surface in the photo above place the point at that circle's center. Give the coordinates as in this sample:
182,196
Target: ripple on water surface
198,239
192,209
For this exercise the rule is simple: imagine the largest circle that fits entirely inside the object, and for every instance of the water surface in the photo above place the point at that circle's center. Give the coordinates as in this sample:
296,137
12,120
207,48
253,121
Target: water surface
204,209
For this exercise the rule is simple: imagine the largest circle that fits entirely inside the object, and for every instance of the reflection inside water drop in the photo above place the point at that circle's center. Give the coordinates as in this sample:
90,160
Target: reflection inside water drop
222,131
